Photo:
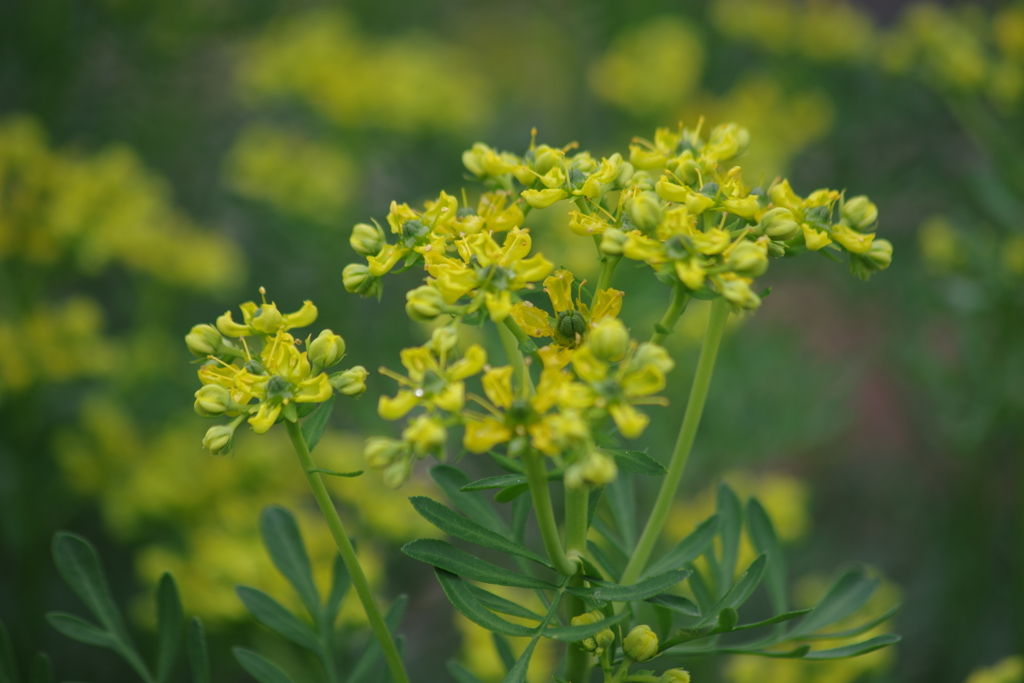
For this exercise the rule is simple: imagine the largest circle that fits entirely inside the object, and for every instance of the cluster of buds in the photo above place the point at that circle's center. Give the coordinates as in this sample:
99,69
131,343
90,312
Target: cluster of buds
259,360
604,638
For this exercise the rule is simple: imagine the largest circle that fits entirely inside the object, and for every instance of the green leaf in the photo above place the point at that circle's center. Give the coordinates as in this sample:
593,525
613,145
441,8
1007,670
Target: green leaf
849,593
456,525
465,601
601,590
284,543
601,527
856,649
460,673
521,508
623,504
700,590
637,462
42,669
507,495
451,480
497,603
574,634
517,674
79,566
508,658
763,536
740,590
195,648
448,557
263,670
8,665
274,616
313,427
506,463
592,500
170,621
777,619
335,473
81,630
688,549
795,653
603,560
676,603
340,582
372,652
498,482
857,630
730,517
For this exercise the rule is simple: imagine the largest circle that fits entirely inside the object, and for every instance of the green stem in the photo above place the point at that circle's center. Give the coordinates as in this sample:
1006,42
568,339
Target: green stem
676,306
537,480
687,433
576,505
604,280
348,554
521,379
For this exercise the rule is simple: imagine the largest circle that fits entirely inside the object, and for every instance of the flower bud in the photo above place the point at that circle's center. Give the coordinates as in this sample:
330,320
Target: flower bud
443,340
569,328
424,303
649,353
596,469
612,241
879,255
357,280
212,400
586,619
397,473
327,349
426,434
366,239
204,340
351,382
675,676
381,451
267,319
219,439
641,644
748,258
860,212
609,339
736,290
645,211
779,224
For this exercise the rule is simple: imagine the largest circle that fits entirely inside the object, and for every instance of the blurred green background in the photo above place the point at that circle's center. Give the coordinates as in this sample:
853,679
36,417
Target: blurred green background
159,161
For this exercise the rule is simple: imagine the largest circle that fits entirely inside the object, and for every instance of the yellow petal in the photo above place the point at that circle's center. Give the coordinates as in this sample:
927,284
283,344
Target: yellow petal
397,407
607,304
644,382
534,321
302,317
483,435
453,398
314,390
471,363
587,366
851,240
498,386
498,305
265,417
815,239
630,421
559,289
531,270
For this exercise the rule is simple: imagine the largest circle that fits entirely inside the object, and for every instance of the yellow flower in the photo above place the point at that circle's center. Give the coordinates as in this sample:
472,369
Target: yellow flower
814,238
568,315
265,319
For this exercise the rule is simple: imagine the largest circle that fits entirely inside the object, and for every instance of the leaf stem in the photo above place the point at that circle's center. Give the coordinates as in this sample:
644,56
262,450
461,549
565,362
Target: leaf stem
537,480
676,306
684,443
520,373
604,280
348,554
576,506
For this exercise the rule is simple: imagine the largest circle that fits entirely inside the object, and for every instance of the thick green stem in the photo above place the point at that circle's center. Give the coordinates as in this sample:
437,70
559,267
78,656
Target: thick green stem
348,554
604,280
687,433
676,306
576,503
537,480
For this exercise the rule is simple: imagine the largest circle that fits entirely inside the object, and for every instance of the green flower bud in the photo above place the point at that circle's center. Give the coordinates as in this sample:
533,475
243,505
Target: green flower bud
426,434
443,340
327,349
609,339
641,644
586,619
424,304
569,328
626,172
737,291
727,141
879,255
645,211
651,354
779,224
397,473
380,451
219,439
643,180
675,676
357,280
612,241
748,258
204,340
351,382
596,469
860,213
212,400
604,638
366,239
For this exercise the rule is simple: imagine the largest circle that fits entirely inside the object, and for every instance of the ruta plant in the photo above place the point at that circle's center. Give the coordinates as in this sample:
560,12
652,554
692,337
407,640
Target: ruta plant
557,412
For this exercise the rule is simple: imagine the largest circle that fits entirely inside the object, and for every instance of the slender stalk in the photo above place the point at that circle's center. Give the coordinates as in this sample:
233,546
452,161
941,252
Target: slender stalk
604,280
687,433
576,504
521,379
348,554
537,480
676,306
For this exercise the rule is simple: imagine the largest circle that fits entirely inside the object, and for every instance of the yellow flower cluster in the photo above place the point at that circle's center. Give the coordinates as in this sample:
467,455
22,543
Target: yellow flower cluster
198,517
1007,670
98,210
406,84
280,377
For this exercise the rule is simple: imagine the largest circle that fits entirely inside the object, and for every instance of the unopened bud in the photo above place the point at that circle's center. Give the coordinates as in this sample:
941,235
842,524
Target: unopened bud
219,439
426,434
327,349
596,469
357,280
727,141
424,303
779,224
609,339
675,676
645,211
366,239
443,340
880,254
212,400
651,354
641,644
860,212
204,340
380,451
351,382
612,241
397,473
748,258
